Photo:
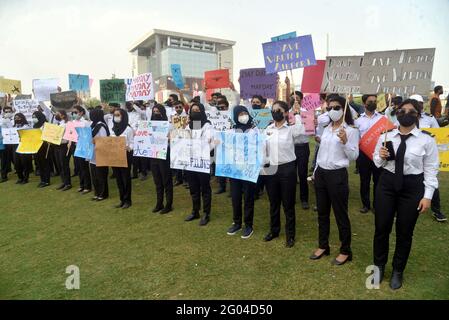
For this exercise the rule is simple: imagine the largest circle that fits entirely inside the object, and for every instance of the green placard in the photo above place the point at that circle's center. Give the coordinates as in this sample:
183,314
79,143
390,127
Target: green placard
113,90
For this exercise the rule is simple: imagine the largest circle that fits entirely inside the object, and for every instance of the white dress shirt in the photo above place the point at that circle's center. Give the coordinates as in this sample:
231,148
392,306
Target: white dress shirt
365,122
333,154
133,119
421,156
129,135
323,121
426,121
280,142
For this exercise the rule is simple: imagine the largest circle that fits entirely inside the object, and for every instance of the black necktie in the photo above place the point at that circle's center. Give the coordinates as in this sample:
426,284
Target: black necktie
399,168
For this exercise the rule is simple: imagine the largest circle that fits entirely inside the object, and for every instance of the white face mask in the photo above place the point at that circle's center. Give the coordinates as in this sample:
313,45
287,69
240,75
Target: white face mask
335,115
35,120
244,119
117,119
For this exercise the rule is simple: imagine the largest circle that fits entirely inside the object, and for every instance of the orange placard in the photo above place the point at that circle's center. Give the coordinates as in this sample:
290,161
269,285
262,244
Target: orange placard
217,79
369,140
111,152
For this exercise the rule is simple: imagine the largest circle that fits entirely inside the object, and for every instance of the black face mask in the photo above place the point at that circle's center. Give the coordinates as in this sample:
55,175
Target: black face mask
195,116
278,116
407,119
256,106
157,117
371,107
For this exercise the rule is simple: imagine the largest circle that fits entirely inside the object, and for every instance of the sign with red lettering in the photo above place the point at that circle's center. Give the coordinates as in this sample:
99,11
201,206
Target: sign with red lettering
369,140
141,88
217,79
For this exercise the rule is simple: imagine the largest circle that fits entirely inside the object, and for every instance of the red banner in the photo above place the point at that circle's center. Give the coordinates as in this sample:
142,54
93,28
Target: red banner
369,140
217,79
312,77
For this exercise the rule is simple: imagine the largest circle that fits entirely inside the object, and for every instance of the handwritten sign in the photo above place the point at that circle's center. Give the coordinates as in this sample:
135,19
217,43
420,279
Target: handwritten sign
141,88
308,120
220,119
84,147
151,139
63,100
111,152
257,82
112,91
311,102
10,86
442,139
43,88
239,155
179,122
79,82
342,74
289,54
70,133
187,153
177,76
30,141
10,136
369,140
403,72
261,117
52,133
26,107
313,77
217,79
23,97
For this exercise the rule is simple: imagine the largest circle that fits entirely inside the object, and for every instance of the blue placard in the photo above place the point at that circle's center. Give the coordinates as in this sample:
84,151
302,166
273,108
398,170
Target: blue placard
284,36
84,146
261,117
239,155
177,76
2,146
79,82
289,54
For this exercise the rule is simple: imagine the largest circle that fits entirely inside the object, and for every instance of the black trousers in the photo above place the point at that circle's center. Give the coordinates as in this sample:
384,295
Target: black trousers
199,186
332,190
246,189
84,173
162,177
179,174
4,164
435,205
281,189
64,163
302,152
123,178
53,156
260,184
140,165
367,168
7,159
100,180
43,163
403,205
23,165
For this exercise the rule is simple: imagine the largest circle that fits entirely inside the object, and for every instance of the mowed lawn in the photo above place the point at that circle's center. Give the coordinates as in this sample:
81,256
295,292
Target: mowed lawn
136,254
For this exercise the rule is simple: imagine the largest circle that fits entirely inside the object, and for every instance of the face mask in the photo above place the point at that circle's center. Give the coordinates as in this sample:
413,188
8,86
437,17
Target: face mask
195,116
407,120
278,116
35,120
117,119
157,116
335,115
76,116
244,119
371,107
256,106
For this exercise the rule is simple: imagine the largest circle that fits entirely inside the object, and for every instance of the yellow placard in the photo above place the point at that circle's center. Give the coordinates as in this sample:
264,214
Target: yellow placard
381,102
10,86
52,133
30,141
442,138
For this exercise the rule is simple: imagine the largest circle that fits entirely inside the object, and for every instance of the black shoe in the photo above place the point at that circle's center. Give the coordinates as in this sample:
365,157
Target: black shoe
86,191
19,181
439,217
119,205
177,183
220,191
305,205
157,208
364,210
62,186
126,206
192,216
3,180
326,252
80,190
205,220
67,187
396,280
335,262
43,185
166,210
270,237
100,199
247,232
25,181
234,229
290,243
94,198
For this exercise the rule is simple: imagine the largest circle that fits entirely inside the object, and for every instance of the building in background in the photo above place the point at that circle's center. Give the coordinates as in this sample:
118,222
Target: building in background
159,49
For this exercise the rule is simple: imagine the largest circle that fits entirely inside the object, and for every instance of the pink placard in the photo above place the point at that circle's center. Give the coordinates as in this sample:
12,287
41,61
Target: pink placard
70,131
311,101
308,120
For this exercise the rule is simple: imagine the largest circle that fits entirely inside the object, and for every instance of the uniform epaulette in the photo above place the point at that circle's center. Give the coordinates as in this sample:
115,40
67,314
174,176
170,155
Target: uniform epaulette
428,114
429,133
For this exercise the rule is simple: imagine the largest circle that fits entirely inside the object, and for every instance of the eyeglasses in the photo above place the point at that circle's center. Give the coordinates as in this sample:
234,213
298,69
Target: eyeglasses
403,111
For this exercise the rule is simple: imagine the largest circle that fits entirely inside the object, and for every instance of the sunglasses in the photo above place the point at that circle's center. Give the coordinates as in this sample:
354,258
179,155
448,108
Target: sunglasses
403,111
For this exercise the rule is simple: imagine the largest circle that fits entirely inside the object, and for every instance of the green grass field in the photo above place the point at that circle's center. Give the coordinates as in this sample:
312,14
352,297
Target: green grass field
136,254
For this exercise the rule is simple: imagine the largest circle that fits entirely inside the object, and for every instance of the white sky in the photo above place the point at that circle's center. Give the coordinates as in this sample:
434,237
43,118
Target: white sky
51,38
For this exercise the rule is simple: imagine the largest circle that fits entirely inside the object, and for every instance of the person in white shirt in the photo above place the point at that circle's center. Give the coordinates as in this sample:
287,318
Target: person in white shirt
139,164
23,163
179,112
281,179
122,128
366,167
409,161
7,155
339,145
78,114
322,121
63,154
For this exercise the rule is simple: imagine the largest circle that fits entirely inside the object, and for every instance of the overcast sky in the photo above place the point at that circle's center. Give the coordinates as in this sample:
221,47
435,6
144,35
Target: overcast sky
51,38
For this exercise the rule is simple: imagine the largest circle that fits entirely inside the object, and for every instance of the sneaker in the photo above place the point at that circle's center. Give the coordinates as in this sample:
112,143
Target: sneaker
439,217
247,233
67,187
234,229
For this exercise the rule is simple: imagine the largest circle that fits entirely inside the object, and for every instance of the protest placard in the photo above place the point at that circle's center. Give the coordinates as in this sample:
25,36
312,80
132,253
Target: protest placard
219,119
289,54
151,139
26,107
403,72
285,36
313,77
112,91
23,97
217,79
10,86
10,136
239,155
369,140
141,88
308,120
177,76
261,117
30,141
311,101
187,153
52,133
111,152
70,133
79,82
43,88
257,82
342,74
84,146
63,100
179,122
442,139
2,145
